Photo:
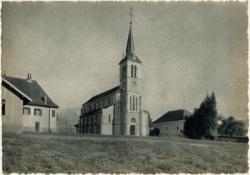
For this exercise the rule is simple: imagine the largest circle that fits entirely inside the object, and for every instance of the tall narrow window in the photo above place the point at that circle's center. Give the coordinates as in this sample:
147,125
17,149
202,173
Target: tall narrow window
132,70
133,102
136,103
130,102
109,118
135,71
3,107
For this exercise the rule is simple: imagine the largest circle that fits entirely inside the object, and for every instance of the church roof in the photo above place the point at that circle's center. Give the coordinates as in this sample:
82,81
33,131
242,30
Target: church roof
32,90
173,116
103,94
130,49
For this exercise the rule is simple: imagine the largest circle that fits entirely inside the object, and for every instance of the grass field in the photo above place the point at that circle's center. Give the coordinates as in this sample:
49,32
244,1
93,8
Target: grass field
28,153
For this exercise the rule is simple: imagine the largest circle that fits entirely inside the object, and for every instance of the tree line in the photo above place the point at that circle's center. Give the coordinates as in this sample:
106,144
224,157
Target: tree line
206,123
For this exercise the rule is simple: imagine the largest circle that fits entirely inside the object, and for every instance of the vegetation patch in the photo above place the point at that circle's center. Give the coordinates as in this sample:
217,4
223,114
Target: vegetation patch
45,153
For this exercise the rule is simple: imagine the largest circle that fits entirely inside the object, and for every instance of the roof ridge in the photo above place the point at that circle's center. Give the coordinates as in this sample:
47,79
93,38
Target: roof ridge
102,93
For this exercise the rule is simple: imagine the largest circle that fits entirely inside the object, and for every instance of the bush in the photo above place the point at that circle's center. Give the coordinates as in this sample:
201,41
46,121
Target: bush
154,132
231,127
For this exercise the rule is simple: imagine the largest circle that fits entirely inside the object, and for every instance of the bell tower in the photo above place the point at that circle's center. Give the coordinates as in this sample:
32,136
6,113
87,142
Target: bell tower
130,83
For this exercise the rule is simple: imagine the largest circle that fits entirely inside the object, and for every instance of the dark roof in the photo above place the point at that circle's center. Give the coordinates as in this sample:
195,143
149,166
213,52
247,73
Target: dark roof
103,94
130,44
130,49
33,90
173,116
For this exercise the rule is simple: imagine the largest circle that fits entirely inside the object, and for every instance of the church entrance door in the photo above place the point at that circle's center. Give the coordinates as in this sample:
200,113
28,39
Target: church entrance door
132,130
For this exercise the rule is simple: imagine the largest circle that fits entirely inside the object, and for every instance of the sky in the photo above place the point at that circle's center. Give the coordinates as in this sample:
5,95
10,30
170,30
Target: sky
188,49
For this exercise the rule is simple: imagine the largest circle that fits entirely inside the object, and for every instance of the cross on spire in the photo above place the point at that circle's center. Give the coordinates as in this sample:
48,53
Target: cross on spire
131,15
130,50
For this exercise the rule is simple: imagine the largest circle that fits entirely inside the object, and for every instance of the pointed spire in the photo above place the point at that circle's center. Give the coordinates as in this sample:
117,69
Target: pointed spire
130,50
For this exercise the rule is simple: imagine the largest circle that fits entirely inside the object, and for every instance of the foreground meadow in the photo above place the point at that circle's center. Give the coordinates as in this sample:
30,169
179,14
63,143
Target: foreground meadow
44,153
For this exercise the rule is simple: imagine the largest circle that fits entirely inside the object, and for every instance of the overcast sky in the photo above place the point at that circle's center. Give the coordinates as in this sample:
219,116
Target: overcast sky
187,49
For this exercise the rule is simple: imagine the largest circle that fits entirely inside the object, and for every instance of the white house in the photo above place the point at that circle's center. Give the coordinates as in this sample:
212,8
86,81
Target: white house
26,107
172,122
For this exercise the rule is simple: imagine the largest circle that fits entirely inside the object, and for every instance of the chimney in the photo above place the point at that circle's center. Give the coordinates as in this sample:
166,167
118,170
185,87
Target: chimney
29,77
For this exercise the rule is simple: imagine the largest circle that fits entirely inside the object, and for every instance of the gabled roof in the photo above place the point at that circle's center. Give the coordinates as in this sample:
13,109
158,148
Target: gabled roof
103,94
173,116
32,90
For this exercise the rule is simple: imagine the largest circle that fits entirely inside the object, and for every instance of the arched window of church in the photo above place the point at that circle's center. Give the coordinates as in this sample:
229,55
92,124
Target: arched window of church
132,70
136,103
130,102
133,102
133,120
135,70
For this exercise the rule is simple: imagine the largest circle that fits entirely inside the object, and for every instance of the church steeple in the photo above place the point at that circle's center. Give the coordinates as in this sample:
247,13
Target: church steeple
130,50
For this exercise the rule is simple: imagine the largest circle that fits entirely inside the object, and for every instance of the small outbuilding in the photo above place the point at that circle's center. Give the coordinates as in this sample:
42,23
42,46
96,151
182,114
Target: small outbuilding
172,122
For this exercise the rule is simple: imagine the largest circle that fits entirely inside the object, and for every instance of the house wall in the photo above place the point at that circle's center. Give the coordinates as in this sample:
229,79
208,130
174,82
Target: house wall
106,120
46,120
12,120
170,128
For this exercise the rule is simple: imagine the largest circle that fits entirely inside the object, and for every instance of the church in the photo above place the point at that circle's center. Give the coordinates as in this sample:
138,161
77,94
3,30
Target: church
118,111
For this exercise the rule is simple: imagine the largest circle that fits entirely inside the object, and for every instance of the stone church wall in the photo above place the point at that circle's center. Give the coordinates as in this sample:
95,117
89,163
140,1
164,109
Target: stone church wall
107,120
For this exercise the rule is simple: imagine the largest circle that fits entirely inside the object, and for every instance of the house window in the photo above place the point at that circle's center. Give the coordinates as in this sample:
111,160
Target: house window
44,99
26,110
53,113
38,111
3,107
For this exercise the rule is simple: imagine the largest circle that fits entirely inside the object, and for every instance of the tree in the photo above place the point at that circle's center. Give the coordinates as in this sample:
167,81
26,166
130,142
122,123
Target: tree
231,127
203,122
